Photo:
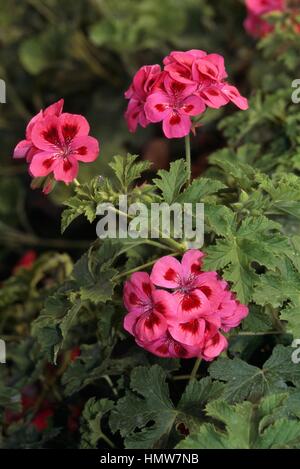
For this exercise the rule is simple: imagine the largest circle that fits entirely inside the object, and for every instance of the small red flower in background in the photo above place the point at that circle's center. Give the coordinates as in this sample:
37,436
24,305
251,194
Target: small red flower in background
26,261
186,321
55,143
189,82
75,353
41,420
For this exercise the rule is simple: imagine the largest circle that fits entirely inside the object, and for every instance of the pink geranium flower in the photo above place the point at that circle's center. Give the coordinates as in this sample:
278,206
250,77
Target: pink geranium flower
148,308
173,105
61,142
183,279
55,143
25,148
143,83
189,82
255,23
186,323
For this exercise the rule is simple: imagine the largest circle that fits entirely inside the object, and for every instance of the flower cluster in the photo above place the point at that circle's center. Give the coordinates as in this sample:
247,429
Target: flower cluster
55,142
189,82
255,24
185,319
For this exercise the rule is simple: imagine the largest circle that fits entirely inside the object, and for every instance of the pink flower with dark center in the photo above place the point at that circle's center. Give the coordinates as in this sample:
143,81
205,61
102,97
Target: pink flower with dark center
187,322
25,148
182,278
174,105
149,309
143,83
60,142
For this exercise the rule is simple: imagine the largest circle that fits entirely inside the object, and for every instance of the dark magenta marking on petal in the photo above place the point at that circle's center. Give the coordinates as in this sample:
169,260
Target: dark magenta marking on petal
175,119
151,321
67,165
51,135
48,163
206,290
170,274
146,288
191,326
190,301
161,107
82,151
133,299
69,131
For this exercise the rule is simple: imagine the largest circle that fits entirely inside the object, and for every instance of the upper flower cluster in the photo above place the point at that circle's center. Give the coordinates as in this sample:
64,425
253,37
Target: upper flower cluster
189,82
256,24
55,142
185,322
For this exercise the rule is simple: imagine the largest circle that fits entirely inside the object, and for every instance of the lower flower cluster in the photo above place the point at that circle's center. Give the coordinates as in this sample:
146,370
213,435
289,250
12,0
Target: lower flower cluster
184,316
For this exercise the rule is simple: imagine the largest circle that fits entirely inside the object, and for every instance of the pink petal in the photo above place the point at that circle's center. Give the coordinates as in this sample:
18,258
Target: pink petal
73,125
132,113
157,106
54,109
66,169
166,272
192,262
180,73
232,93
213,97
22,149
212,288
42,164
193,106
31,152
31,124
167,347
129,322
46,134
203,68
138,290
150,326
145,79
214,345
176,125
178,90
192,304
165,304
85,148
218,61
189,333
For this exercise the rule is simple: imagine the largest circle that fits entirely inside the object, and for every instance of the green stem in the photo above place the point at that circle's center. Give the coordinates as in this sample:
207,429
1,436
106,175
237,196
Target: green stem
195,369
76,182
187,139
